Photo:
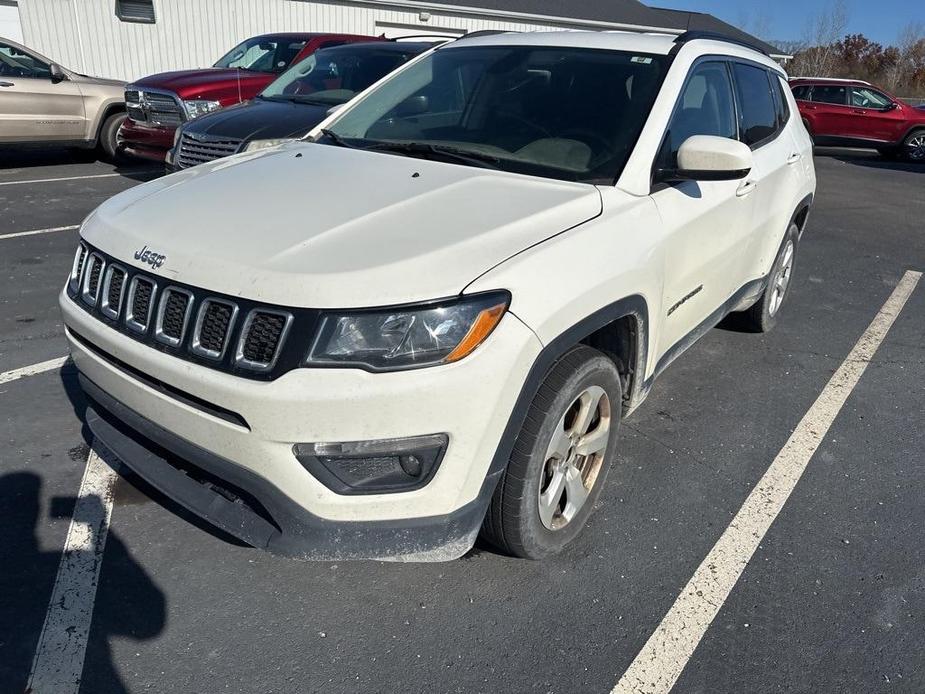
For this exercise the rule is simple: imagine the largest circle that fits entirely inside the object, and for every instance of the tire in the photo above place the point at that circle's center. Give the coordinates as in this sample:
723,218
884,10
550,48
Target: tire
108,139
913,148
763,315
531,514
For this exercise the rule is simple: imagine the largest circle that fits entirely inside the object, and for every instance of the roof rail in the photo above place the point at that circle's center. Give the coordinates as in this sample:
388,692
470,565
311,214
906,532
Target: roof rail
716,36
421,37
485,32
833,79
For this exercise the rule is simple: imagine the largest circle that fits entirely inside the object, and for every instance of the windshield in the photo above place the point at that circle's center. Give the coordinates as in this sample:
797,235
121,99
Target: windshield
333,76
567,113
263,54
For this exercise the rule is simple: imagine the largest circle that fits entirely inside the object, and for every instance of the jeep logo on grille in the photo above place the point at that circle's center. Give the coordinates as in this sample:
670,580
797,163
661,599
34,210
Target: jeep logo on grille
155,260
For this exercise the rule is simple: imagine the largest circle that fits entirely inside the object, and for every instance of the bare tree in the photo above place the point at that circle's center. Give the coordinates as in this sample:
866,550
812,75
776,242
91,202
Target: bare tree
823,30
910,37
756,21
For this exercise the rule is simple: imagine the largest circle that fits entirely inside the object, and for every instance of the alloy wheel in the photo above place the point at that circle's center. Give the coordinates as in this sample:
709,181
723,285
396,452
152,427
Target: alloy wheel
781,280
915,147
574,458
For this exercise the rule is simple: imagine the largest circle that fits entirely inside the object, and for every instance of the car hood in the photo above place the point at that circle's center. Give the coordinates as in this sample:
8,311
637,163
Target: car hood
325,227
260,119
193,84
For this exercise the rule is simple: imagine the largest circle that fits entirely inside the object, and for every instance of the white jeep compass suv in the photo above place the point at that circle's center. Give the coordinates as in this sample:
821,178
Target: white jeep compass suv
428,319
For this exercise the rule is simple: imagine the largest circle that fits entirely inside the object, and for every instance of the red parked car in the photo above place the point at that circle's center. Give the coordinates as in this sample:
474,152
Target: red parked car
159,104
852,113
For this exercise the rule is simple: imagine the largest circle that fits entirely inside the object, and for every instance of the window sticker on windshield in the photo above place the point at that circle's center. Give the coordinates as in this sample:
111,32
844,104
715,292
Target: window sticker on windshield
641,59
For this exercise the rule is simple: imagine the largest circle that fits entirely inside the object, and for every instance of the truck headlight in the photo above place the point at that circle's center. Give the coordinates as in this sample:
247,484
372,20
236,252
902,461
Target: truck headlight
200,107
407,337
256,145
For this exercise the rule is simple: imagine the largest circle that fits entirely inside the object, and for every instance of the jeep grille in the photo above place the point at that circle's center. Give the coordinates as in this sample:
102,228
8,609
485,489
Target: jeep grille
232,334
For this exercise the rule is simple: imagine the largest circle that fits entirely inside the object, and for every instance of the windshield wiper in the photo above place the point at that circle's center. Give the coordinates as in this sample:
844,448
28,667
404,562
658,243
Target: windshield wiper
432,150
338,140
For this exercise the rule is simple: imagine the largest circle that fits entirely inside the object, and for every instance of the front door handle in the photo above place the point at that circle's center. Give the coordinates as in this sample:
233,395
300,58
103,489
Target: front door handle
794,158
7,84
860,111
746,188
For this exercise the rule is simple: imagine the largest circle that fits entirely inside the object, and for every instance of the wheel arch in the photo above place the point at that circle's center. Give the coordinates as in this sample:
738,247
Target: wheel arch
105,111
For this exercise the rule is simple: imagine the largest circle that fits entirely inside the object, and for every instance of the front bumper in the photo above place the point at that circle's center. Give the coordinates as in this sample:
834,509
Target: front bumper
145,141
471,401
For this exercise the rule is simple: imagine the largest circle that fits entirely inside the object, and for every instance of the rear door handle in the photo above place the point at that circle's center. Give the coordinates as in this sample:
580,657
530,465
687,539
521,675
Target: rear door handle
746,188
7,84
794,158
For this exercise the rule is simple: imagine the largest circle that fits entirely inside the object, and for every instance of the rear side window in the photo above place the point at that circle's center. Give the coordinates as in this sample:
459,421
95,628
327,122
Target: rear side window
780,100
757,111
801,93
706,107
830,94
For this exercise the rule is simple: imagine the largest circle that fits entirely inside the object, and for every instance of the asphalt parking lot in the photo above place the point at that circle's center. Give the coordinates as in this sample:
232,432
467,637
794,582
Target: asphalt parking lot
833,600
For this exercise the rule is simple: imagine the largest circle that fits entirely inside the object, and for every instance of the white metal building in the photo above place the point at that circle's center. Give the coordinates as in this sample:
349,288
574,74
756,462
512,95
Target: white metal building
129,39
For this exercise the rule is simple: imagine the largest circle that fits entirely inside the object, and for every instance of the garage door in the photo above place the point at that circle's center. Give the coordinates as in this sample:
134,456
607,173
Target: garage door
10,28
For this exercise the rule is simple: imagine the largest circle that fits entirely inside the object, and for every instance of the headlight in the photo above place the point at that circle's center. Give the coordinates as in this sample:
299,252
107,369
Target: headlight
255,145
408,337
199,107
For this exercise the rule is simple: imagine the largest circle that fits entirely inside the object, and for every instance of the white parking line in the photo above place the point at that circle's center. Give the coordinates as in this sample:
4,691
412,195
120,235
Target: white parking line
59,658
78,178
34,369
662,659
35,232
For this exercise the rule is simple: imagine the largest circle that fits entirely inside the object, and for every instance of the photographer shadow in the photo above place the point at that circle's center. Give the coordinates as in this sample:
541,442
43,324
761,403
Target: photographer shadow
128,604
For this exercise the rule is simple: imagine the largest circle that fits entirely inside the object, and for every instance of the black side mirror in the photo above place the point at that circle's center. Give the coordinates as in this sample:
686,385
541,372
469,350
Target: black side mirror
57,73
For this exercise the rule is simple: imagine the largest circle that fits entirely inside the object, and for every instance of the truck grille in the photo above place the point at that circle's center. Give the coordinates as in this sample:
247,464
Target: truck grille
196,149
153,108
230,334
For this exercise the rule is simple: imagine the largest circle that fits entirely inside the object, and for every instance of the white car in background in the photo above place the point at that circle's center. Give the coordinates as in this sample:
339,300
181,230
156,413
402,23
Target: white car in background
430,321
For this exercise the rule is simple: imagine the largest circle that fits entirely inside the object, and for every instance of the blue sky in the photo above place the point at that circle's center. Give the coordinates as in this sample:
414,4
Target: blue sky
880,20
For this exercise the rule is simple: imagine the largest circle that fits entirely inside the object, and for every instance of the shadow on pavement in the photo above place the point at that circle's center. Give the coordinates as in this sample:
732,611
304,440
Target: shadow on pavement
25,158
128,602
870,159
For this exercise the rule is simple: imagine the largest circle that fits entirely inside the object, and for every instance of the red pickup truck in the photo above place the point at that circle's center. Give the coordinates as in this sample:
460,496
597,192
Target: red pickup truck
159,104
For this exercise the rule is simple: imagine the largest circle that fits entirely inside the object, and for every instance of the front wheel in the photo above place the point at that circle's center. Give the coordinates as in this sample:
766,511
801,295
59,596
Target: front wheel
560,459
762,317
109,135
914,146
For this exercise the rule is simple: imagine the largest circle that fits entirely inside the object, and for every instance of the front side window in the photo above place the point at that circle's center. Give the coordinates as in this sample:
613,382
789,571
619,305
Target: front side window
567,113
17,63
331,77
865,97
830,94
757,112
706,107
262,54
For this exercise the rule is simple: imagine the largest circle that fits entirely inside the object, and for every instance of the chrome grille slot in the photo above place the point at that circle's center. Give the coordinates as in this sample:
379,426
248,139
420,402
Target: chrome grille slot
198,149
172,315
77,268
213,328
113,289
261,337
91,282
140,301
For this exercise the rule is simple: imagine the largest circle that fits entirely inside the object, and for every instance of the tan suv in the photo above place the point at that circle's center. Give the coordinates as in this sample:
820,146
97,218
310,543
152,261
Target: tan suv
43,103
